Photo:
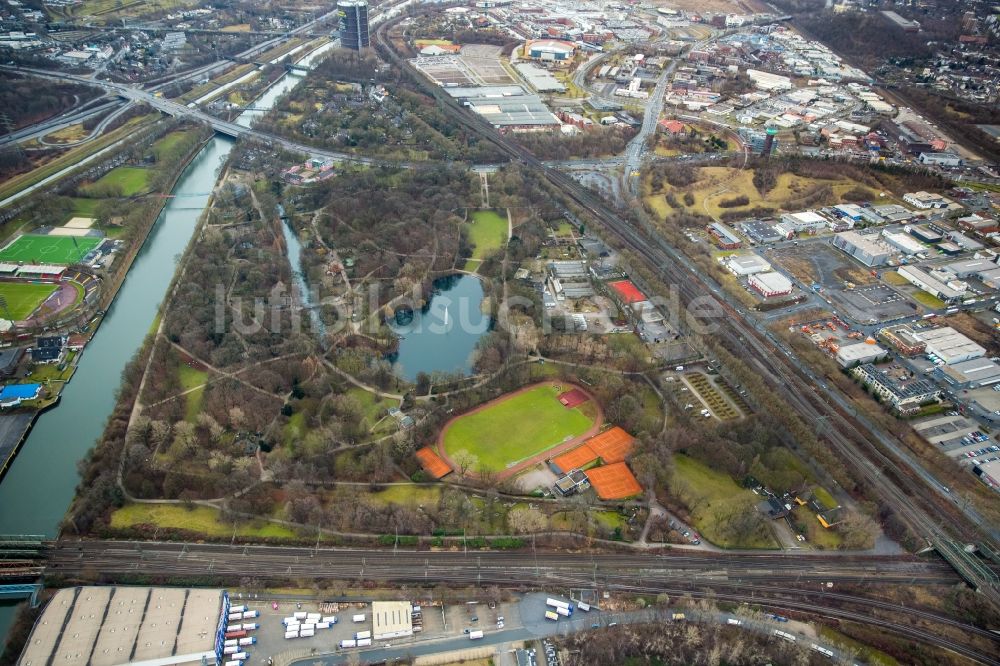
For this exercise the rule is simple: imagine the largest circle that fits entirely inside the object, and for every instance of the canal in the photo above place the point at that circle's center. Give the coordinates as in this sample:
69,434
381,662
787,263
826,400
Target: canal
41,482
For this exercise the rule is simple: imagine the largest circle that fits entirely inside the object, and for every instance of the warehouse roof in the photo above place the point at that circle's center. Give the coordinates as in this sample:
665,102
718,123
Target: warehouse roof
391,619
948,343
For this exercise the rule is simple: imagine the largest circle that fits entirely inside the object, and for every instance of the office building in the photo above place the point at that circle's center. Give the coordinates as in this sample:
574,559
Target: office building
354,24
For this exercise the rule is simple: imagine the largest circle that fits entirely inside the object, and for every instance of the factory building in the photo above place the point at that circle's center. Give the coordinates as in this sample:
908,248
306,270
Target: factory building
940,159
971,374
903,339
869,249
923,233
850,355
903,242
771,284
768,81
724,236
806,222
936,285
949,345
747,264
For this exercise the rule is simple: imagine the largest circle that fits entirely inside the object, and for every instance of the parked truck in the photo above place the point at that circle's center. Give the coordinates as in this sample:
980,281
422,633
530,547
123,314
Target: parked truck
556,604
473,635
551,615
249,640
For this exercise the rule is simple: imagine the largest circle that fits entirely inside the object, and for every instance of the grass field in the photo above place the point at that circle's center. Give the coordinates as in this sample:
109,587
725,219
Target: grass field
716,184
23,298
201,519
190,378
712,497
32,248
488,232
492,436
130,180
928,300
83,207
168,142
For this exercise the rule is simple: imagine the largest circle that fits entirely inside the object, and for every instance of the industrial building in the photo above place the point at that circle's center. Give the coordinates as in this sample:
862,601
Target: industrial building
762,231
897,386
747,264
539,79
949,345
724,236
940,159
768,81
869,249
989,473
507,107
354,24
964,269
806,222
107,626
926,200
932,284
850,355
903,242
391,619
771,284
923,233
971,374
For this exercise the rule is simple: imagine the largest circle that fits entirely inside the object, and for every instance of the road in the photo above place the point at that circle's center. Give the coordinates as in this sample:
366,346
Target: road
51,125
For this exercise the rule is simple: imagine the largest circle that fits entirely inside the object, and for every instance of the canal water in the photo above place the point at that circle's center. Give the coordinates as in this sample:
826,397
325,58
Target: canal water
442,335
40,483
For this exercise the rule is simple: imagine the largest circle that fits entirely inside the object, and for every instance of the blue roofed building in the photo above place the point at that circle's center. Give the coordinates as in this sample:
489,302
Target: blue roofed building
13,394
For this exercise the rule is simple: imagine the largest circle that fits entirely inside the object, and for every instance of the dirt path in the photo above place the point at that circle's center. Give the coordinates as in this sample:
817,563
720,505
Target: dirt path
541,456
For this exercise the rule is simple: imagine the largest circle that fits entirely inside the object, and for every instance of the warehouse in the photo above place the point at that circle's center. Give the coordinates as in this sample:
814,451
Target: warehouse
946,291
869,249
391,619
940,159
747,264
724,236
903,243
539,79
923,233
850,355
894,213
805,222
904,340
761,231
949,345
964,269
771,284
768,81
972,374
989,473
107,626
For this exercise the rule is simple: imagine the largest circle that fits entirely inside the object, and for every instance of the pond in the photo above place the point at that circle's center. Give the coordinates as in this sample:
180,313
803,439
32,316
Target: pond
442,336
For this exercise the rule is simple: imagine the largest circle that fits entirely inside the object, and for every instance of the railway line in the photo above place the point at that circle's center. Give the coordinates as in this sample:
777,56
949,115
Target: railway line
867,451
773,581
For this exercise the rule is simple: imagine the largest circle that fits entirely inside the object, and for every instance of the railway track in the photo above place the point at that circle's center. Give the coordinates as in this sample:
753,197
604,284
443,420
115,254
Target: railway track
771,581
860,446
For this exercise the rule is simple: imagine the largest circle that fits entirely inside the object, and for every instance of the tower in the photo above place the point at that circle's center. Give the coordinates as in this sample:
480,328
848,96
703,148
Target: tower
354,24
768,142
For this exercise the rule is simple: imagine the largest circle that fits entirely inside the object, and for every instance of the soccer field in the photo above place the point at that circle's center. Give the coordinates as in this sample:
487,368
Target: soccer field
33,248
23,298
515,428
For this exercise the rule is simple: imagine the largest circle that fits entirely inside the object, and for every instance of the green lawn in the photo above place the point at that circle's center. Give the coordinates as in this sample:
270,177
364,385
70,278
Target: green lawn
487,231
63,250
516,428
131,180
411,496
376,409
201,519
928,300
167,143
83,207
190,378
23,298
713,498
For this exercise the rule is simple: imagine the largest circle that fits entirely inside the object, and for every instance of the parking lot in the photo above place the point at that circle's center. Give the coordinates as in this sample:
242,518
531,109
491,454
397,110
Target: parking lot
875,303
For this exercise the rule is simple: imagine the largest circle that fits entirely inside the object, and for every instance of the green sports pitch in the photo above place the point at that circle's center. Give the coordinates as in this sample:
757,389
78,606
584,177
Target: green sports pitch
61,250
23,298
514,428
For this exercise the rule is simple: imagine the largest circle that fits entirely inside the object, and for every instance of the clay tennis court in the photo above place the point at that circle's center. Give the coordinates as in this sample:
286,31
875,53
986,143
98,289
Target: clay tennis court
610,446
432,463
614,482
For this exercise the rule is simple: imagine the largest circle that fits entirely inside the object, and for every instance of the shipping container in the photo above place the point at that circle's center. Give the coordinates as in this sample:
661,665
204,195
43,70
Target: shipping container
290,620
236,634
241,656
551,615
564,612
364,642
292,634
235,616
332,619
231,641
249,640
250,626
363,634
358,618
348,643
238,609
251,614
313,616
322,625
307,633
301,615
230,649
234,627
473,635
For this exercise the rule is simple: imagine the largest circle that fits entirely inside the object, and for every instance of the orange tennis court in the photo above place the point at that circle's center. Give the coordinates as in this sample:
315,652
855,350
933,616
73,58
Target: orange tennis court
612,445
432,463
614,482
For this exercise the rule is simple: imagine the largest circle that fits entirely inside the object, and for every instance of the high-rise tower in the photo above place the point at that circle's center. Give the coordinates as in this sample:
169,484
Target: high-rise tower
354,24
